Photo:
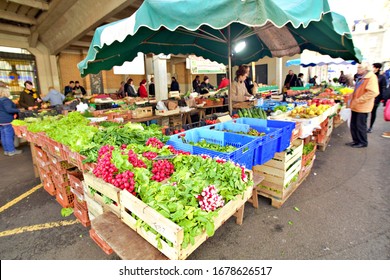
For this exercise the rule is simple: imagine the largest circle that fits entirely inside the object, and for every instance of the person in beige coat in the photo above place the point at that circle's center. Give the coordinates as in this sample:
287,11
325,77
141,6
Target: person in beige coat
239,92
366,89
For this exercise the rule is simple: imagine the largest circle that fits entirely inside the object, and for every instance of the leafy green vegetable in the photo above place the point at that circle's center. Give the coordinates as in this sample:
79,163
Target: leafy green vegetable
66,212
204,144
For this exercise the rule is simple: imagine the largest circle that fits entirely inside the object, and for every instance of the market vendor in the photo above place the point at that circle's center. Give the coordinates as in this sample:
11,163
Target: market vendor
29,97
239,92
205,86
78,89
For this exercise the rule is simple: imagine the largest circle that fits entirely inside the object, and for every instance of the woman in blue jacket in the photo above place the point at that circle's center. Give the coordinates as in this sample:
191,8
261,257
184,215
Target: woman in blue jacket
7,111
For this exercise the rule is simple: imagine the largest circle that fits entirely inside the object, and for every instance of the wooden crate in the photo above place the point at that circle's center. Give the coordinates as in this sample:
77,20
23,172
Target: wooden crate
167,228
280,173
305,170
94,208
167,112
102,189
142,112
324,143
283,166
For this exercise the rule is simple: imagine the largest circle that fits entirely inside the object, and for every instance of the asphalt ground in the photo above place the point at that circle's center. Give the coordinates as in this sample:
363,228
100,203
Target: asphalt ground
344,213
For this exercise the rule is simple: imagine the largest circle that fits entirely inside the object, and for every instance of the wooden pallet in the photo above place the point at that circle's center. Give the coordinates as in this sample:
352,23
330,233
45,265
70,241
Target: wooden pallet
322,146
124,241
168,229
276,202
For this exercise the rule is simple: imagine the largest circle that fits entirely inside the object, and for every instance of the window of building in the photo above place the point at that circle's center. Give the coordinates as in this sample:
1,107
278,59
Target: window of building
16,67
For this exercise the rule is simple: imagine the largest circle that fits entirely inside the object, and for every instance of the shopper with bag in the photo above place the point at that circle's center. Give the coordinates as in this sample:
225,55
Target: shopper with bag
290,80
366,89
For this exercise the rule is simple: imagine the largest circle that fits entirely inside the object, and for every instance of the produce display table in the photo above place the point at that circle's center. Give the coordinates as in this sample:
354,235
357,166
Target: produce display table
202,110
146,119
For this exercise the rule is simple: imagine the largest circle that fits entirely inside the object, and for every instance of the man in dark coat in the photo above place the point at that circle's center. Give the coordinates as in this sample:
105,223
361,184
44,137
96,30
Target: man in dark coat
290,80
382,86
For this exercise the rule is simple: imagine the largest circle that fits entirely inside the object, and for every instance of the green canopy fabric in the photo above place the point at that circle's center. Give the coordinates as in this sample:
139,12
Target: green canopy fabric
211,29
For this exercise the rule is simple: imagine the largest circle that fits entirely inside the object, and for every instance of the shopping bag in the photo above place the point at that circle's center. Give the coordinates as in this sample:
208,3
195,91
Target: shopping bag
386,113
346,114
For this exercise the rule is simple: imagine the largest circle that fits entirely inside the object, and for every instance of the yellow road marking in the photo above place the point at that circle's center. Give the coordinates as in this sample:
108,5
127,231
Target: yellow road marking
37,227
19,198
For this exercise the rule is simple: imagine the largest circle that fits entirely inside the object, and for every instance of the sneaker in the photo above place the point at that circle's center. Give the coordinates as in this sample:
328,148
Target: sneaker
386,134
6,153
16,152
369,130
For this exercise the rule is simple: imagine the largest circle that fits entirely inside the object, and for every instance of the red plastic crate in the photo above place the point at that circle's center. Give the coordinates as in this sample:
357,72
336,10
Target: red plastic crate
41,154
64,197
48,185
81,212
75,180
100,242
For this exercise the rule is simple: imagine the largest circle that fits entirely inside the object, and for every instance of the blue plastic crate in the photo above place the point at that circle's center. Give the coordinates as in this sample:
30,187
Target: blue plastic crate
287,128
266,148
243,155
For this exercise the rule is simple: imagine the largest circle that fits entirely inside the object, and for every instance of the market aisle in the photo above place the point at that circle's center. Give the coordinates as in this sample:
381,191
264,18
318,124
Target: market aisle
344,213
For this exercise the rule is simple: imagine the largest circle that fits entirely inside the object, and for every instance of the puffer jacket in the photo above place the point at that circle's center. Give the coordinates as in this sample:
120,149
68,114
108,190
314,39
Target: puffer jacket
364,94
7,110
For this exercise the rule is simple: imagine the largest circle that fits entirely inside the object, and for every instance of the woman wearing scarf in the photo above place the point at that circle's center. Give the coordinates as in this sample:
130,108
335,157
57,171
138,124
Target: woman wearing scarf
29,97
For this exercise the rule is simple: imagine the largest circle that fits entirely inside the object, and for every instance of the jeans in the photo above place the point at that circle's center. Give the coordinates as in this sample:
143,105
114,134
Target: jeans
7,137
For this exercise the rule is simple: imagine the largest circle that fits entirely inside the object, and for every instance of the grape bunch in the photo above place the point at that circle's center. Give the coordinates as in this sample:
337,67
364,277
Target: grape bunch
209,199
154,142
134,160
162,169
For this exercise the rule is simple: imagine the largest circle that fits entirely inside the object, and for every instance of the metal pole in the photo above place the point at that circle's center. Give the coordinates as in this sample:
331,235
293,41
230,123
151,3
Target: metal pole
230,72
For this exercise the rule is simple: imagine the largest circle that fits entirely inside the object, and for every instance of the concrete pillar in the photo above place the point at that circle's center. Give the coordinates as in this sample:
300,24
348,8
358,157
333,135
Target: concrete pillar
47,68
278,72
160,78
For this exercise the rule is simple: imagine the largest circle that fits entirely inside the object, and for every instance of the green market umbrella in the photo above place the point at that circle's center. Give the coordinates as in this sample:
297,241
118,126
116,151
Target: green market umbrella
212,29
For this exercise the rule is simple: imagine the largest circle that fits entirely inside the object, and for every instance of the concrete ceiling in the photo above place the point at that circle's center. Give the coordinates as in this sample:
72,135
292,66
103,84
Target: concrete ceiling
61,25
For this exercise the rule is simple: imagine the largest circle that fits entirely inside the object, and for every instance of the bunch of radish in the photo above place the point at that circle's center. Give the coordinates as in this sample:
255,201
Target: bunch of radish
154,142
209,199
134,160
162,169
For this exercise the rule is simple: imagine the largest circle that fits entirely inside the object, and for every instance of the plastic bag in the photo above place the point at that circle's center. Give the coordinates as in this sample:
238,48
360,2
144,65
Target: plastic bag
386,113
345,114
161,106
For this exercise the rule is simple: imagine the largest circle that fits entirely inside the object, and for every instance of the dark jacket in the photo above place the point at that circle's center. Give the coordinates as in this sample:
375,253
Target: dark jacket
249,85
7,110
68,89
175,86
129,90
290,80
382,87
28,98
196,85
299,83
204,88
152,89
